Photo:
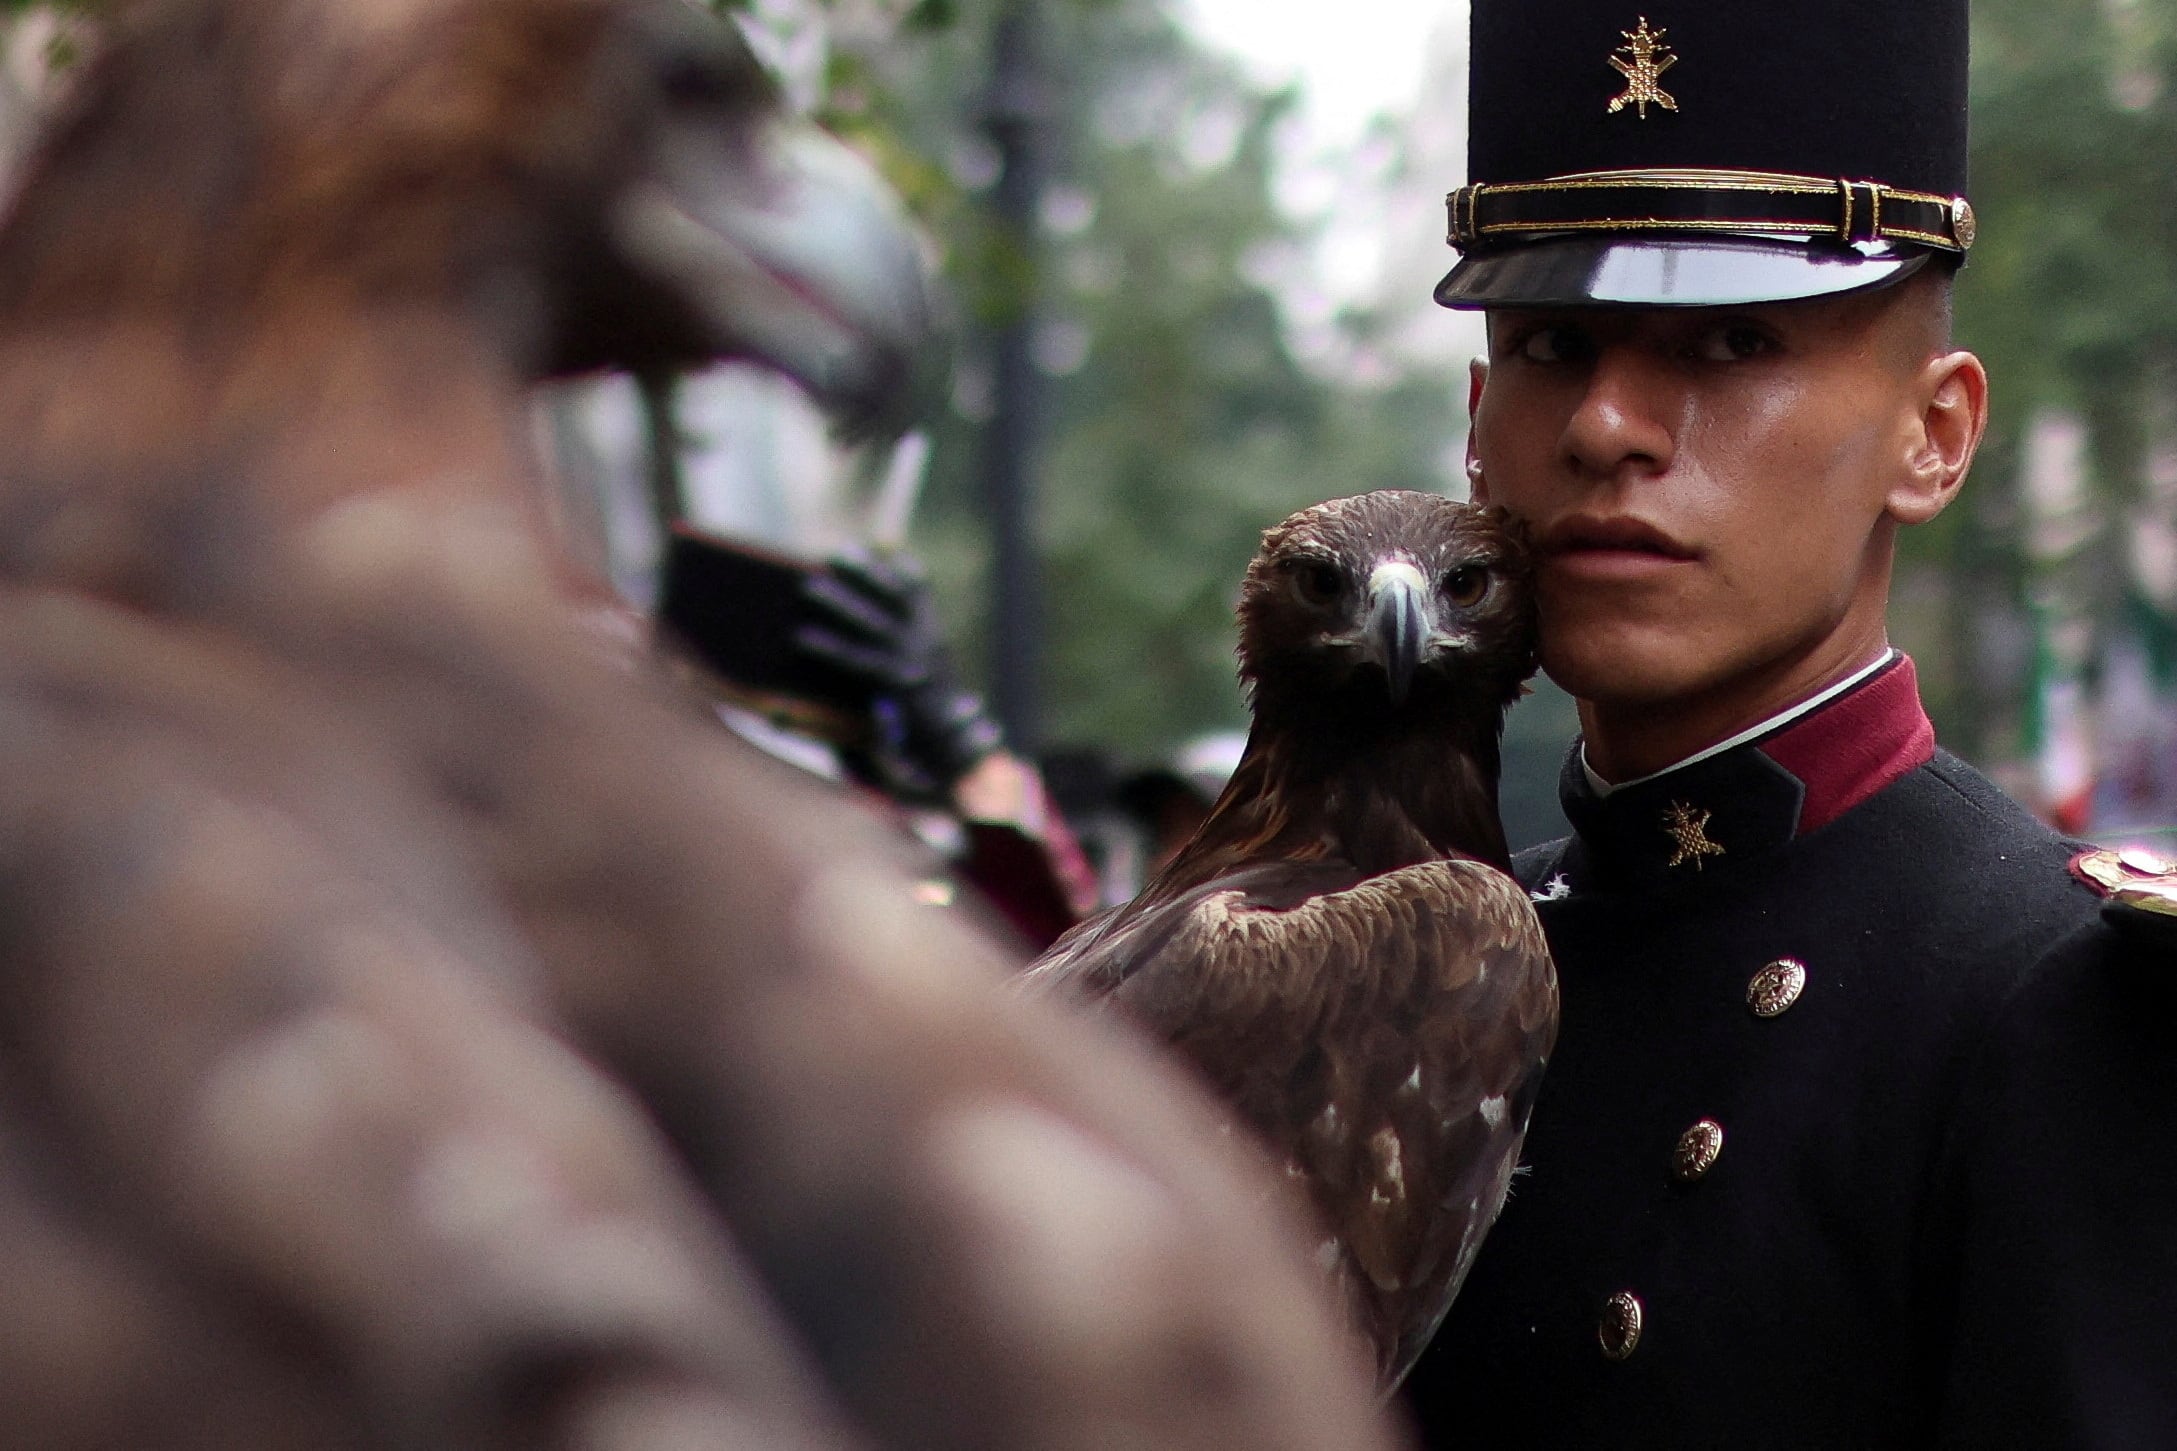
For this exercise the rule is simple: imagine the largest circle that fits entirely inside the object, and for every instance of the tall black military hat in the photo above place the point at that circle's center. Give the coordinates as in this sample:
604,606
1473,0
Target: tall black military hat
1705,152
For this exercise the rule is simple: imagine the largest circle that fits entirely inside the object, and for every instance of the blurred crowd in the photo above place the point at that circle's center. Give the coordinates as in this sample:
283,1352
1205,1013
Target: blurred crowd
770,554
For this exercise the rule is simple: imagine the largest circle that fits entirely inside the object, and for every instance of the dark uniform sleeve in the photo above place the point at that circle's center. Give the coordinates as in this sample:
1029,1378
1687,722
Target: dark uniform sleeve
2056,1211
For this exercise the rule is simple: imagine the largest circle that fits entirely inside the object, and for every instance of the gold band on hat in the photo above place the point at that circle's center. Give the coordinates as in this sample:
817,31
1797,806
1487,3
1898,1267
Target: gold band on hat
1753,203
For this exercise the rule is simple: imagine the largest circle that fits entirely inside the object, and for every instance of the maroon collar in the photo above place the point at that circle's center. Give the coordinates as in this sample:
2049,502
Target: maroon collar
1730,808
1856,744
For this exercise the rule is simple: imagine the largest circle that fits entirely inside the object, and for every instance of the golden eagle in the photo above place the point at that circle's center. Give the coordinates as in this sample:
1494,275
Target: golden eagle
421,1025
1339,949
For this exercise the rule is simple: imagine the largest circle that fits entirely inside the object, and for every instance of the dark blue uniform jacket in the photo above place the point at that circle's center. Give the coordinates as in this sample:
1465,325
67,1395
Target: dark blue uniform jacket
1926,1195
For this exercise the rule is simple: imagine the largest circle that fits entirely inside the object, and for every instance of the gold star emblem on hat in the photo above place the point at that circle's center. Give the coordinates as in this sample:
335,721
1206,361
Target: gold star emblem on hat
1642,60
1687,827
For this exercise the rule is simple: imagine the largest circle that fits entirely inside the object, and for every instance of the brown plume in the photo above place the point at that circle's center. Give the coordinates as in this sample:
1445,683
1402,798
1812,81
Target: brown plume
422,1026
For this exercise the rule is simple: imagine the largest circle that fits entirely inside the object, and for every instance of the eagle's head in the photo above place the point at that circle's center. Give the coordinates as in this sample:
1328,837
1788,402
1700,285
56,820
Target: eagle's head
1389,601
586,182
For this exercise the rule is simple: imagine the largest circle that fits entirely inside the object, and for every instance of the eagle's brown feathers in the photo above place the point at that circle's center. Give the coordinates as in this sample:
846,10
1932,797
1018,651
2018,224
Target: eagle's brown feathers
1339,949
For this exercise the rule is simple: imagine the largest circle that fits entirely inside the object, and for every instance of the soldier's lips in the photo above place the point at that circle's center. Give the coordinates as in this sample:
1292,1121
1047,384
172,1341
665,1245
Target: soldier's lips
1611,549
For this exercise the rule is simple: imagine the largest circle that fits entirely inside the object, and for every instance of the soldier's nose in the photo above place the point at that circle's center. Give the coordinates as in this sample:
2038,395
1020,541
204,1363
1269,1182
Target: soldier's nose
1623,417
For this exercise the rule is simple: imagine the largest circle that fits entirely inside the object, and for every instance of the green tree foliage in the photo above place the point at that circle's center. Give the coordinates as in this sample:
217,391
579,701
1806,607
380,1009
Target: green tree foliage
2073,285
2070,297
1179,423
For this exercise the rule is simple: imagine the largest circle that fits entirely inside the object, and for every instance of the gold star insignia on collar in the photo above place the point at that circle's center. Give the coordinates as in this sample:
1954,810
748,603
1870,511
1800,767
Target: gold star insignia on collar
1642,60
1687,827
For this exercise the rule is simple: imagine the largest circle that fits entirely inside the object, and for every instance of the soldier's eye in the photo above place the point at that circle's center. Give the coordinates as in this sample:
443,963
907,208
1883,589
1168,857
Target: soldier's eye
1318,581
1466,586
1733,343
1556,343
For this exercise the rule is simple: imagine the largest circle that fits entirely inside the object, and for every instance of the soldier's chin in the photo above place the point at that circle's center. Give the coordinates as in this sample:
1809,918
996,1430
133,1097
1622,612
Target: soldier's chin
1612,661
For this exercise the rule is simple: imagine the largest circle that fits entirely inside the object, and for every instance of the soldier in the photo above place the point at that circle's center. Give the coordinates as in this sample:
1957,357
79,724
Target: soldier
1862,1125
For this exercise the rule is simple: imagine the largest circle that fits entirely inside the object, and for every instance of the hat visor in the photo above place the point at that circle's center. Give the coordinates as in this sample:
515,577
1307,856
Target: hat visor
1620,271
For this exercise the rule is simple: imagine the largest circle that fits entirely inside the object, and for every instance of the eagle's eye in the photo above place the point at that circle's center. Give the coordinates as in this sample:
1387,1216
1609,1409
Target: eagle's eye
1466,585
1317,581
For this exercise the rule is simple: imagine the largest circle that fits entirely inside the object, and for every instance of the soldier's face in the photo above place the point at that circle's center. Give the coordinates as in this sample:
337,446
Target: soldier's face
1715,491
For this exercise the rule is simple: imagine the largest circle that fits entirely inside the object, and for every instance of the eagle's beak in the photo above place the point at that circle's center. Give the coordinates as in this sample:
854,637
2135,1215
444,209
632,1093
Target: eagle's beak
1399,623
796,255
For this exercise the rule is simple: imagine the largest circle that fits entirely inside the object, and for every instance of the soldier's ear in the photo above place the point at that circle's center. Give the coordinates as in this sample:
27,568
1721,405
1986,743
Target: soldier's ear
1477,374
1951,395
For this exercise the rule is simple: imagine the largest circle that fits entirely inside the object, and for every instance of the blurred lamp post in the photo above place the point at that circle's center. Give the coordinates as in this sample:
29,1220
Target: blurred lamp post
1014,116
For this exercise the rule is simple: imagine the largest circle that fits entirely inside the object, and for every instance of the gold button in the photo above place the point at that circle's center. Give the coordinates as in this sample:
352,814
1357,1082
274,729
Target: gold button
1619,1327
1776,987
1697,1150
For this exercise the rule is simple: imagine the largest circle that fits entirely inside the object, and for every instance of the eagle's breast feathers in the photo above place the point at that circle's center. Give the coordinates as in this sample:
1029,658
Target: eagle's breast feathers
1383,1035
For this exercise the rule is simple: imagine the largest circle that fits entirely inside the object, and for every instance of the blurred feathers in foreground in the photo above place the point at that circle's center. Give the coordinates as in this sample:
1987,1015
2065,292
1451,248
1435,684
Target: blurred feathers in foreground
421,1025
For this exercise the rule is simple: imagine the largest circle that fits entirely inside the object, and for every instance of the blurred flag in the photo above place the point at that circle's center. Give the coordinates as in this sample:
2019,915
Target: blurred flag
2060,519
2137,790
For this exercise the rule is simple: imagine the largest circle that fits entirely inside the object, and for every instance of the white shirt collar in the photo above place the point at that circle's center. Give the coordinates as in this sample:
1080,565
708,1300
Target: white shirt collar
1785,716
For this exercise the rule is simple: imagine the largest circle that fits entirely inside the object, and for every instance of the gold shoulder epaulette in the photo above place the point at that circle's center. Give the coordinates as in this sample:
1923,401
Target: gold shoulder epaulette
2131,877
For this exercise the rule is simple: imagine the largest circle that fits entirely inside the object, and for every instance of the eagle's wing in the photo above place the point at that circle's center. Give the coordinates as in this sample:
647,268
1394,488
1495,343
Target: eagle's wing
1384,1035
